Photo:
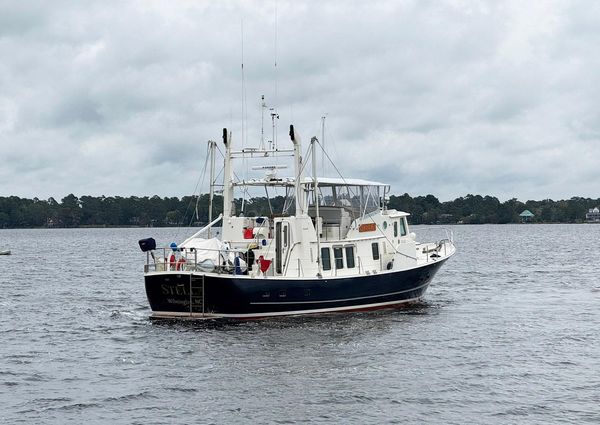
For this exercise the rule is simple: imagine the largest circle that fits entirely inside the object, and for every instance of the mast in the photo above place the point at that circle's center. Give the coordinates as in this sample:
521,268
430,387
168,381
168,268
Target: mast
227,177
262,122
323,144
299,176
212,147
316,202
274,116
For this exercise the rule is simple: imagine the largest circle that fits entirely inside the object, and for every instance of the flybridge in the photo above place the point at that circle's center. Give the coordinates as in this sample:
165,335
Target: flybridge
358,196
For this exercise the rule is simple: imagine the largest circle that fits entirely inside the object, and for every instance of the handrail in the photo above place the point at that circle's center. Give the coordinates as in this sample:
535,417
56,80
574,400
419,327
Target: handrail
287,257
432,250
449,232
223,262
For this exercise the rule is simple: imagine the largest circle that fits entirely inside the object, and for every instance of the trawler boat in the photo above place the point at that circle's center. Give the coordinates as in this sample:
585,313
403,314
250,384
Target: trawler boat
335,246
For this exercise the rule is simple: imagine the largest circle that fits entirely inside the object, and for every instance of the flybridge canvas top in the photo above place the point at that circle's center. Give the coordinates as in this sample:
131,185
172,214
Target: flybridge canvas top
358,196
322,181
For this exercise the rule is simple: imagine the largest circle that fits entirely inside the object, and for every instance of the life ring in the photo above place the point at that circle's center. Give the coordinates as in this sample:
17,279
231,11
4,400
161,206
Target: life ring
180,263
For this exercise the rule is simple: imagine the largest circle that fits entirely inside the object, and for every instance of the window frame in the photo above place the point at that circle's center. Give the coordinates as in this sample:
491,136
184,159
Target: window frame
403,227
375,251
352,257
326,259
338,261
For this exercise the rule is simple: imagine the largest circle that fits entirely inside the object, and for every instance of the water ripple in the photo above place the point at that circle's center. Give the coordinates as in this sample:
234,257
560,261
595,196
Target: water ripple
505,334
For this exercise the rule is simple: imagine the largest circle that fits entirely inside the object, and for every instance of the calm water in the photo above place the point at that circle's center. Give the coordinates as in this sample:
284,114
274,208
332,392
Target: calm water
508,333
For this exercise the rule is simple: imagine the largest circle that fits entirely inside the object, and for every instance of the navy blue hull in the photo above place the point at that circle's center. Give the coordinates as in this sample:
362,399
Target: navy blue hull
197,295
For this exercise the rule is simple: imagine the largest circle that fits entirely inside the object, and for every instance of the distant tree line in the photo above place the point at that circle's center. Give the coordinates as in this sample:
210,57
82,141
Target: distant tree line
477,209
155,211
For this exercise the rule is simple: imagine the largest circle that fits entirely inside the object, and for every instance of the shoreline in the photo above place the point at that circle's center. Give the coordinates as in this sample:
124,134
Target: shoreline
118,226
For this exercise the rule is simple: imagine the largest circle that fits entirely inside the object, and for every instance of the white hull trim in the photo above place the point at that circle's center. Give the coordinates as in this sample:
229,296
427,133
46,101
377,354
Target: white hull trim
178,315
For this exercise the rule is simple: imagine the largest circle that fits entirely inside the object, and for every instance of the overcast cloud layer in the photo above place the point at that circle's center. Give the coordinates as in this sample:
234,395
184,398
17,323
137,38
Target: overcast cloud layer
447,98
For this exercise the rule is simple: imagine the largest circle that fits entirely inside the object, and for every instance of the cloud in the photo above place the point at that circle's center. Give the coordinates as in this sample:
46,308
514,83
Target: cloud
448,98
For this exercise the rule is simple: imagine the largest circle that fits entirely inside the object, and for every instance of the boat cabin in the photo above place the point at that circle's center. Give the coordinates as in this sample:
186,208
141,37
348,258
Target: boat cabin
356,233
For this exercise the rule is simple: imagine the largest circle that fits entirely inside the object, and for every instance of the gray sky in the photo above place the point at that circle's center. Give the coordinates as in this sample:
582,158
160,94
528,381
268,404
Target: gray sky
441,97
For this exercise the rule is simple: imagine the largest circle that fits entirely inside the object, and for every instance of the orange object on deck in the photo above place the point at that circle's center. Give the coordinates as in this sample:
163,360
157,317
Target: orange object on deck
367,227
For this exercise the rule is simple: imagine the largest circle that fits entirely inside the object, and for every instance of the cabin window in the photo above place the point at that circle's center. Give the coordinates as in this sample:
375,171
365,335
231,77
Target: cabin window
338,255
403,227
325,259
375,250
278,249
285,236
395,229
350,256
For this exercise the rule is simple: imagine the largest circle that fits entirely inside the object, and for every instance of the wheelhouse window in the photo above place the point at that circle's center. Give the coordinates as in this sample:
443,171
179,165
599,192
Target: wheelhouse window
375,250
403,227
349,256
338,255
395,229
325,259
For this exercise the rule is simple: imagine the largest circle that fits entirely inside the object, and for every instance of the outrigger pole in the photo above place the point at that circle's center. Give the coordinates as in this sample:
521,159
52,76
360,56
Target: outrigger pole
212,147
298,175
227,177
199,232
316,201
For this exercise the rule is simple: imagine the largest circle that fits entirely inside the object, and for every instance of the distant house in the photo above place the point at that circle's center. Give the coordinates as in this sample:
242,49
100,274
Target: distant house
526,216
593,215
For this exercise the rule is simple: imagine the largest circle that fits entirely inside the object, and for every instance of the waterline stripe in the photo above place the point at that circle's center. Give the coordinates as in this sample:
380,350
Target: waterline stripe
170,314
339,300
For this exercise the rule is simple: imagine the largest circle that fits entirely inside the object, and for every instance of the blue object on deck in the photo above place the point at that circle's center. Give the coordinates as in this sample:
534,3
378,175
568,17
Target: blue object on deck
236,263
173,246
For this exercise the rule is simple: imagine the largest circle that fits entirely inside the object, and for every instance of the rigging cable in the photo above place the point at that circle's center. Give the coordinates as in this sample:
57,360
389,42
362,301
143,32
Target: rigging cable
275,70
199,183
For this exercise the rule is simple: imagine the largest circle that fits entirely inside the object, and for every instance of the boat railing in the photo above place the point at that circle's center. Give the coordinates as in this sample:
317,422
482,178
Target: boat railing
287,259
439,241
435,233
186,259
